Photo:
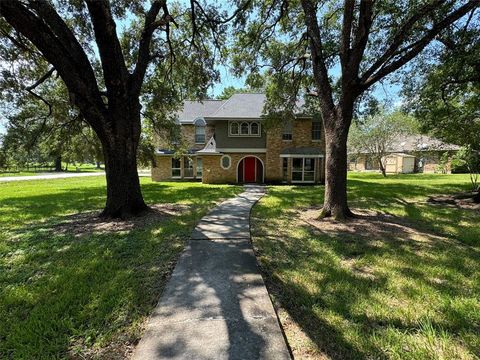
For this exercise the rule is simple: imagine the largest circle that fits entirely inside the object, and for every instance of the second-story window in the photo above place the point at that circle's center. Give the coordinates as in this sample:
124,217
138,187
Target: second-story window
287,131
199,124
244,128
234,128
254,128
316,130
199,134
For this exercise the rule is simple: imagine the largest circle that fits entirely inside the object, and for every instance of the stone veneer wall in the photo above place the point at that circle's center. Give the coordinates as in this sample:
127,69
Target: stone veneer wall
301,137
213,173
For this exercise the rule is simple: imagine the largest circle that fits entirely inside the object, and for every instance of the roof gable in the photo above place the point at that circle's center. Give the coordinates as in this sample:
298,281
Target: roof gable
238,106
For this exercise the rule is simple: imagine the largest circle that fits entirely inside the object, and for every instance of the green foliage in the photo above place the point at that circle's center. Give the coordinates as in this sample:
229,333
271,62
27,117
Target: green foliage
272,44
181,66
470,159
40,133
445,96
68,293
231,90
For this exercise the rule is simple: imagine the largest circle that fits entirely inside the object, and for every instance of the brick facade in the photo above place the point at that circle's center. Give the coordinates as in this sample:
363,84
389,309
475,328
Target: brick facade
162,170
213,173
301,137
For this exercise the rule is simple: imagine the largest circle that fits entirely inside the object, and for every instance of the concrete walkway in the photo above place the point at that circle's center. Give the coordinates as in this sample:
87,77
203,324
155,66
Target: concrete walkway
47,176
216,305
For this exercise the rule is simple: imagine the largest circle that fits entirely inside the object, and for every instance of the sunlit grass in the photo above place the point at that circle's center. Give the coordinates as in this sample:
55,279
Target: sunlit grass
387,295
62,294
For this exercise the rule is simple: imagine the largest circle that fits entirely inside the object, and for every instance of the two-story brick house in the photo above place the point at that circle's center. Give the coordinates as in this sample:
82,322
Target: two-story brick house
228,142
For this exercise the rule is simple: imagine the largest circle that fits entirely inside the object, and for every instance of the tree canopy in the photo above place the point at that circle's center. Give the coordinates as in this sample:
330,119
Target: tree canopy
119,61
336,51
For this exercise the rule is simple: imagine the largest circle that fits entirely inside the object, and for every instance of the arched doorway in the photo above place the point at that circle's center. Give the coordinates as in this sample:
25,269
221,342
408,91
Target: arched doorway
250,170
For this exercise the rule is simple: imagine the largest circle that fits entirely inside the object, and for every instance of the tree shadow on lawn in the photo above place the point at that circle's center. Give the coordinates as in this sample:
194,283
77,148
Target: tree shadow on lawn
76,282
17,210
347,284
393,198
64,292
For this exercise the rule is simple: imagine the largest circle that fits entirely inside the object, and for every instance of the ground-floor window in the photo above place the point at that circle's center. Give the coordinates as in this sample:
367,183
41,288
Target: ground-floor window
187,167
176,168
303,169
285,169
199,167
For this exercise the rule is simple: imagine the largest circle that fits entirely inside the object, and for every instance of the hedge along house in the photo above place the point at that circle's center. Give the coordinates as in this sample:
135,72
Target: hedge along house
227,142
409,154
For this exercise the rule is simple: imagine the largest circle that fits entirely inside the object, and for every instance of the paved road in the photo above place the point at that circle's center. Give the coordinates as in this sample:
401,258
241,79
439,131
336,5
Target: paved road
216,305
47,176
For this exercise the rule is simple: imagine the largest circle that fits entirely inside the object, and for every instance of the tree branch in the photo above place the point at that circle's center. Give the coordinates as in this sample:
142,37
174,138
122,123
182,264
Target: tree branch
417,48
318,59
144,58
41,80
113,63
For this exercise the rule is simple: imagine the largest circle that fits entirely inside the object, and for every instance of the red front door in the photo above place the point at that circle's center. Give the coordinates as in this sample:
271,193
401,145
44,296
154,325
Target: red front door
249,173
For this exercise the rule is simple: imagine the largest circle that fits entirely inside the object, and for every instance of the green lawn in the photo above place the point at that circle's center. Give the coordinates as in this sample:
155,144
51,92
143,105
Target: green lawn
68,292
406,287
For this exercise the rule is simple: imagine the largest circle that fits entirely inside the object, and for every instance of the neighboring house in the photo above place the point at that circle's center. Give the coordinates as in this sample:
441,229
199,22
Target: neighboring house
414,153
228,142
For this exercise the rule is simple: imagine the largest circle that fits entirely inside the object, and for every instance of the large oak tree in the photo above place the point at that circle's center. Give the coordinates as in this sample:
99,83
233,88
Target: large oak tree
106,70
339,50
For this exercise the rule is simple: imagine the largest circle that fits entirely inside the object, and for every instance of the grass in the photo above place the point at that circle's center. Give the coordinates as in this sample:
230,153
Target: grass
407,291
64,295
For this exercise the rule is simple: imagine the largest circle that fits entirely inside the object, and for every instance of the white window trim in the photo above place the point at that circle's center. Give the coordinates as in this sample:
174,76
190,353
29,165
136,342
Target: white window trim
243,150
204,134
229,162
301,156
180,168
239,123
317,140
193,169
196,169
303,172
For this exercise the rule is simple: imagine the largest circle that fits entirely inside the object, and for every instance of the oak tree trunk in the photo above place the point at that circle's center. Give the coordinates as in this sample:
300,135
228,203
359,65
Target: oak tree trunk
58,163
335,202
124,196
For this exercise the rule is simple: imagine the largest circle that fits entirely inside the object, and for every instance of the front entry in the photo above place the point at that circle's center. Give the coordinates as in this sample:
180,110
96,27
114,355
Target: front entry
250,170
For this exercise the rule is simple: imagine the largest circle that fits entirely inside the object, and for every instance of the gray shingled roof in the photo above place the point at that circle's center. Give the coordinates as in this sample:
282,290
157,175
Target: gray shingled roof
195,109
420,143
241,106
245,106
238,106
